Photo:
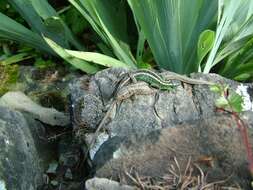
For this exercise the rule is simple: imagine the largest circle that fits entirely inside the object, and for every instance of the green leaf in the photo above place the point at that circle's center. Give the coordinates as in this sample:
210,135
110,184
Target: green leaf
242,77
205,43
16,58
79,59
235,101
75,20
234,28
216,88
143,65
221,102
43,64
76,62
35,12
240,64
98,58
172,29
110,23
11,30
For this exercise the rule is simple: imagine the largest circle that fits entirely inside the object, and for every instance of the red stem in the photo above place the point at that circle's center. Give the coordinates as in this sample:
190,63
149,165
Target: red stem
243,129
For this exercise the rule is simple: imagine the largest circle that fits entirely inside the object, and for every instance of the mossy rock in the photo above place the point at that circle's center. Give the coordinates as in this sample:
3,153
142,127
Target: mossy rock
8,76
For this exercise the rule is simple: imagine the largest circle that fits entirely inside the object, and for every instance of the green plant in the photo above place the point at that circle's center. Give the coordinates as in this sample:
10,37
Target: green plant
233,33
180,34
172,29
231,102
110,23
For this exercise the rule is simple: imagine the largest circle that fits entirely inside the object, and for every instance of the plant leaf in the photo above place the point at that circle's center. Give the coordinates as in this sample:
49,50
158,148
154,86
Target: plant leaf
221,102
172,29
11,30
205,43
235,101
234,28
98,58
76,62
16,58
79,59
36,12
110,23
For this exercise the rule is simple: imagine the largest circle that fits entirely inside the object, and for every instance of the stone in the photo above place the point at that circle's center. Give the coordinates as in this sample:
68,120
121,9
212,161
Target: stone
21,167
184,104
19,101
217,138
105,184
144,130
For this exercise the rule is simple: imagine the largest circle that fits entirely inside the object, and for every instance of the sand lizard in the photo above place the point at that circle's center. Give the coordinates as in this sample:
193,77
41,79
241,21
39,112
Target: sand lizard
125,89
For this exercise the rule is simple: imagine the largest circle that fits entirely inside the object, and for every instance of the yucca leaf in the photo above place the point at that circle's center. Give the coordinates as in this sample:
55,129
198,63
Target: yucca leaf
97,58
234,29
237,60
37,13
81,59
172,29
76,62
11,30
108,19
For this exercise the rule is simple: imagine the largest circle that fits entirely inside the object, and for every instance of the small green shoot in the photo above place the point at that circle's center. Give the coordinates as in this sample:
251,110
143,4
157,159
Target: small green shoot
229,100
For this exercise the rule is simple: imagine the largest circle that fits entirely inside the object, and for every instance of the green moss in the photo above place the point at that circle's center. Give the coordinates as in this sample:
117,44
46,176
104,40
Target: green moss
8,77
42,64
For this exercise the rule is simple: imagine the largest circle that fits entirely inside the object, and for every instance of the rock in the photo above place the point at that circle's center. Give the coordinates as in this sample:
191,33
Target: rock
52,168
19,101
184,118
185,103
68,174
216,138
21,166
105,184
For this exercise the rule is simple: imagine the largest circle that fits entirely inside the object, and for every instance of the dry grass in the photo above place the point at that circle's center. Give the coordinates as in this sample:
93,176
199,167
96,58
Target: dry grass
191,177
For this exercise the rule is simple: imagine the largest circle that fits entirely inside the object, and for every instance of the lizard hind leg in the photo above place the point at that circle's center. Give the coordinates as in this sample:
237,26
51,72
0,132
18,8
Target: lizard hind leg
133,79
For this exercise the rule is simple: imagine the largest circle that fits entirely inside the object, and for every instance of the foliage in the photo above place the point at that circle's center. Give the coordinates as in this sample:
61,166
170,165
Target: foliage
229,99
232,103
205,44
43,64
110,24
172,29
74,20
179,34
239,65
78,59
234,31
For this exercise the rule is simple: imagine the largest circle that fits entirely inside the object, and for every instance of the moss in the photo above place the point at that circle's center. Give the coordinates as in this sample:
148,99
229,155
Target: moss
8,77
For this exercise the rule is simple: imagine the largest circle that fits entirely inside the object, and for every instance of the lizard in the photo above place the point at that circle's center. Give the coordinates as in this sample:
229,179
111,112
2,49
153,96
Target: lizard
140,88
157,81
125,90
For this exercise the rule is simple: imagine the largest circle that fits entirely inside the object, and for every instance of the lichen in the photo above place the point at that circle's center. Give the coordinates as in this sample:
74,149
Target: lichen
247,104
8,77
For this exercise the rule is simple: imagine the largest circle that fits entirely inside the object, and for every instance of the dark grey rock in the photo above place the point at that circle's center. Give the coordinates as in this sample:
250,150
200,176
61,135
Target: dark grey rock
105,184
21,166
138,117
86,107
216,137
68,174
